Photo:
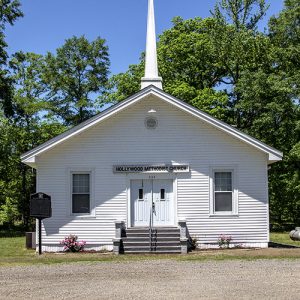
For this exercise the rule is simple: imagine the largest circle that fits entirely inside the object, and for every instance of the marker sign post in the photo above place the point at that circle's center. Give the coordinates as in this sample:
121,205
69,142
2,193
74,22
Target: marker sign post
40,208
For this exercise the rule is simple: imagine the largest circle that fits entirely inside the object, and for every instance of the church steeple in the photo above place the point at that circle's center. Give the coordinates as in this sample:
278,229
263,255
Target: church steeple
151,69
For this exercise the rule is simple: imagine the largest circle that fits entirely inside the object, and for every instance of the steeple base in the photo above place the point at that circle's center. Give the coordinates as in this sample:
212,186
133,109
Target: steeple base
151,81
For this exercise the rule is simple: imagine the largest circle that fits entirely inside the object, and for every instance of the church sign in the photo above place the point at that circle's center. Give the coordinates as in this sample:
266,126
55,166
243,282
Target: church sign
151,169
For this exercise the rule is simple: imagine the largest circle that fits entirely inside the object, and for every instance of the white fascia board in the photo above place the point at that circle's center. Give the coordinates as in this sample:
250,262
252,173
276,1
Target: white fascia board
274,158
26,157
30,161
274,155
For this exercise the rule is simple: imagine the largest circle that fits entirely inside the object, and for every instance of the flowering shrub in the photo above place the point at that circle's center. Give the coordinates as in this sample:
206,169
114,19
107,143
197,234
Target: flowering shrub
224,241
71,245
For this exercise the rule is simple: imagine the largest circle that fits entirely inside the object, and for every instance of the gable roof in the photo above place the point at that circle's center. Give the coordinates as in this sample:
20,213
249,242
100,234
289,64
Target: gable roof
29,157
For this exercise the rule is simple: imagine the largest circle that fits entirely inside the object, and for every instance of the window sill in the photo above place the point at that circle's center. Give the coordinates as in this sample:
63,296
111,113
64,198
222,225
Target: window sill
83,217
223,215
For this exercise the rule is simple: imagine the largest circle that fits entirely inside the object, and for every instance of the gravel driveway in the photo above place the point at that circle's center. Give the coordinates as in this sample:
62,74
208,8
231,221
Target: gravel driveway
157,279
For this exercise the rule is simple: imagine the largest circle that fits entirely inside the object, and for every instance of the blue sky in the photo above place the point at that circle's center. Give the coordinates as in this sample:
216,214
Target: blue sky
47,23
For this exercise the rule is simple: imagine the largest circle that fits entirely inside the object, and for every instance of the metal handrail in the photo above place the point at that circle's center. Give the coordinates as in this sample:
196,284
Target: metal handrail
150,228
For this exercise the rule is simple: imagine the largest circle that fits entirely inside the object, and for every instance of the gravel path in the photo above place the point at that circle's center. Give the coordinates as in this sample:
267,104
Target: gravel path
158,279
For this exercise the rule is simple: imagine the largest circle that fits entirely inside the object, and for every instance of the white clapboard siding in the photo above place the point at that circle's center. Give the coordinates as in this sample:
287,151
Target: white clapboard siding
179,138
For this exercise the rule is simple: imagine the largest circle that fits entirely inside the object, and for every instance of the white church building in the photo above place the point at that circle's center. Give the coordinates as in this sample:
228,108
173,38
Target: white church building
152,171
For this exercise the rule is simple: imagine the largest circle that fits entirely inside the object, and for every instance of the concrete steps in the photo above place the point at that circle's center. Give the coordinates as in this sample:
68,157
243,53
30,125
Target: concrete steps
152,252
164,240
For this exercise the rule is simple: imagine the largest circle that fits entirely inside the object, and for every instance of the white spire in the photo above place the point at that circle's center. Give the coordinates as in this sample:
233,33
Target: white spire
151,69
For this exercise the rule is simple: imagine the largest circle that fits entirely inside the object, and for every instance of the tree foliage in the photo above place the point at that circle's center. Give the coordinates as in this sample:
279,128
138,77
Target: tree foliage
47,93
27,75
74,75
285,176
242,14
10,11
24,130
187,63
17,181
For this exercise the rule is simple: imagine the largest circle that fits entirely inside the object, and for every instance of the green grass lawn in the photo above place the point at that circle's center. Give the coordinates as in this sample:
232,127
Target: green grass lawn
283,238
13,252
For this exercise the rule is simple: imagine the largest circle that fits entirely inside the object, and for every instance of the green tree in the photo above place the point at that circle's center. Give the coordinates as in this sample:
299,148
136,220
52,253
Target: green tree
17,181
186,54
75,76
188,65
123,85
241,48
25,130
284,33
9,12
242,14
44,92
27,74
263,72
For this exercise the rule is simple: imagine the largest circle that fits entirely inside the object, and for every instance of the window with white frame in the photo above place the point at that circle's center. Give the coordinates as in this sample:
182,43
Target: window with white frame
81,193
223,195
223,191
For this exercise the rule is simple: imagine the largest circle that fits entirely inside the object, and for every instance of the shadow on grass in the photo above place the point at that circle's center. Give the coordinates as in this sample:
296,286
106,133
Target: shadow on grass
11,233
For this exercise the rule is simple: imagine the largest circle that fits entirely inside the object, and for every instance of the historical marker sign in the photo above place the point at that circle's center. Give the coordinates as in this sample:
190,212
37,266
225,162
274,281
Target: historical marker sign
40,208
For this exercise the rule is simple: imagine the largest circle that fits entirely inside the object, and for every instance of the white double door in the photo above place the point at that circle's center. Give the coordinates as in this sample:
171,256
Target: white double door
152,197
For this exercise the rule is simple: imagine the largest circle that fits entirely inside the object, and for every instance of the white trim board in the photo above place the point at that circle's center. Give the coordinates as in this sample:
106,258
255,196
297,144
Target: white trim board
29,157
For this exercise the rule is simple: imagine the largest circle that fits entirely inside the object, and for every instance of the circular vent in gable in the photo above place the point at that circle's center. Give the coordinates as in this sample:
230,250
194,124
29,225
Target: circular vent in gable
151,123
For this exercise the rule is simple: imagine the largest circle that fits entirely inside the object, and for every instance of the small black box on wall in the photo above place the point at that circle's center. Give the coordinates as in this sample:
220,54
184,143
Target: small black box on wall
40,206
